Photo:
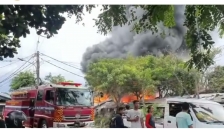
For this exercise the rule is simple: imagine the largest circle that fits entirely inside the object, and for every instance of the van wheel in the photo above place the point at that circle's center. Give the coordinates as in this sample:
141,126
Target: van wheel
43,124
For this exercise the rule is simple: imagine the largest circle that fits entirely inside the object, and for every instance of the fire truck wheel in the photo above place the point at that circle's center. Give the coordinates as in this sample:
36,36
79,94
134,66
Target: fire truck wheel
43,124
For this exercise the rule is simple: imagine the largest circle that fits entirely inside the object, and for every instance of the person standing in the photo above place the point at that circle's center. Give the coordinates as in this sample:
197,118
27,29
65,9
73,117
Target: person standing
183,119
117,121
150,121
135,116
127,123
127,107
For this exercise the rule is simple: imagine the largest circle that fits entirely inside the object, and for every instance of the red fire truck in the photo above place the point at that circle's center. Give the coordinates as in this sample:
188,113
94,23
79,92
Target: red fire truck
64,105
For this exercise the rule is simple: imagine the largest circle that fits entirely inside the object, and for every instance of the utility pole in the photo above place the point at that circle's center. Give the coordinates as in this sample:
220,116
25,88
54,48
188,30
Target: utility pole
38,69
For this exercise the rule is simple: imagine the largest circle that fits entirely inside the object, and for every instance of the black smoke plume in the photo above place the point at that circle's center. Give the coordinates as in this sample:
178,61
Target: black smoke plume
123,42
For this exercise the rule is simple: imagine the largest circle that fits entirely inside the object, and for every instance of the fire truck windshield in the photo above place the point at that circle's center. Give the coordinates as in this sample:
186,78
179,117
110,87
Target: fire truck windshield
74,97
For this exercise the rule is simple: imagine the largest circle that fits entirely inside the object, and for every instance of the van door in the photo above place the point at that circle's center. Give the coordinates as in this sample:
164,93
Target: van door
170,119
193,117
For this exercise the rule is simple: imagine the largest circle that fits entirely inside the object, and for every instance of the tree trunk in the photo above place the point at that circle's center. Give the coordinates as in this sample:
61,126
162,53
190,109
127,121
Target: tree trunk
160,92
137,96
143,98
117,99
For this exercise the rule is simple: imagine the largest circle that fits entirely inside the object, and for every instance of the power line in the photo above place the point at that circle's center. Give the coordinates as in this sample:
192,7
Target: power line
16,71
16,59
68,63
78,65
5,82
8,79
62,68
9,64
27,67
8,60
71,62
61,61
20,60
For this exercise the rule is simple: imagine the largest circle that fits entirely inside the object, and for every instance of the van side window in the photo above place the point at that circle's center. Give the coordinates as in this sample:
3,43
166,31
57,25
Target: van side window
40,95
174,108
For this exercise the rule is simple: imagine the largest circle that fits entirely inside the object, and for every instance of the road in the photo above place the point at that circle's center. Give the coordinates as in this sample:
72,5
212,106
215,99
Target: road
128,124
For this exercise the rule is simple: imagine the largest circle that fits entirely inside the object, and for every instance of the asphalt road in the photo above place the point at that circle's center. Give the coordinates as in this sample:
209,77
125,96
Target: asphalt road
128,124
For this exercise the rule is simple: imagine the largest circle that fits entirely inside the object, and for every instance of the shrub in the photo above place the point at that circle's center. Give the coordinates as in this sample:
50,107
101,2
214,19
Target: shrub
102,120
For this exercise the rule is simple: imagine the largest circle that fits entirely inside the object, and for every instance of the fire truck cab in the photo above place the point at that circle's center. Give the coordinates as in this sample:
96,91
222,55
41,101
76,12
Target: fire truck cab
63,105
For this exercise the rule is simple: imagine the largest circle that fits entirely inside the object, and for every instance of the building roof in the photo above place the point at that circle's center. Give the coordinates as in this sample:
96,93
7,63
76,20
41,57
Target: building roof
4,96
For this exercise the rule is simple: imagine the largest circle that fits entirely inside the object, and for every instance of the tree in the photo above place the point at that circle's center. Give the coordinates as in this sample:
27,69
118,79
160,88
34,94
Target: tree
101,77
23,79
56,79
171,76
182,82
47,20
204,17
16,20
141,76
117,77
142,84
216,79
204,76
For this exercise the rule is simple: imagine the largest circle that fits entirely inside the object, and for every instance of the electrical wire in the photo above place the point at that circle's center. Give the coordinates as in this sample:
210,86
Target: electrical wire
60,61
69,63
5,82
9,79
9,64
62,68
77,65
8,60
16,59
16,71
19,60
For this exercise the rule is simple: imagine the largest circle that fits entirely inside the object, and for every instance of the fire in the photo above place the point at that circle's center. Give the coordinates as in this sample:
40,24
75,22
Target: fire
124,99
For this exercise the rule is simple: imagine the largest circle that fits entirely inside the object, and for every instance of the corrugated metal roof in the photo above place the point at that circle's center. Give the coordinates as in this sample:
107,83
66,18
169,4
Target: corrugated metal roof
5,95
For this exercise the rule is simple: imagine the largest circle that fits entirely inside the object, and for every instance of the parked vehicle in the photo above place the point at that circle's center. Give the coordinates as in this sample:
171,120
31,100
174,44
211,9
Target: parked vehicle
65,105
204,113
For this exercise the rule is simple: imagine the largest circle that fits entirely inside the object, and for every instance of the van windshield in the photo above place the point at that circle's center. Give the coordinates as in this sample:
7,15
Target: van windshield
205,116
216,110
73,97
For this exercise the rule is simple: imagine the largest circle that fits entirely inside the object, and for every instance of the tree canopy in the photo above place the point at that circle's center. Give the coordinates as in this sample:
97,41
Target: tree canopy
48,19
216,79
16,20
110,77
200,20
141,76
23,79
27,78
55,79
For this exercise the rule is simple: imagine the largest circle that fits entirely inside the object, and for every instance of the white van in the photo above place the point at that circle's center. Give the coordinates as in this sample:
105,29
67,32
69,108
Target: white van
204,113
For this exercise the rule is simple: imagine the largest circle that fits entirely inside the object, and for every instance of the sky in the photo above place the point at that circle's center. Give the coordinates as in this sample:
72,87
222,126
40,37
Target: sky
68,46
